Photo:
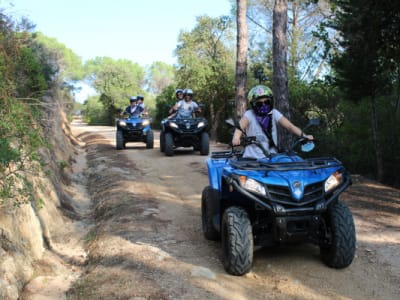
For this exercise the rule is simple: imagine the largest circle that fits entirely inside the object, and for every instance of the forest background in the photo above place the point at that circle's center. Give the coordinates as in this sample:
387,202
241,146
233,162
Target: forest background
343,66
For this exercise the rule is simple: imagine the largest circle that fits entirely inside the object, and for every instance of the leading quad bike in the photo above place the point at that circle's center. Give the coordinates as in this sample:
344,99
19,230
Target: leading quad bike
280,199
132,128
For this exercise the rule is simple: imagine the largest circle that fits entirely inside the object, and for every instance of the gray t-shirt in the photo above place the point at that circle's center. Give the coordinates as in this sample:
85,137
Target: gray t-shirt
185,109
255,129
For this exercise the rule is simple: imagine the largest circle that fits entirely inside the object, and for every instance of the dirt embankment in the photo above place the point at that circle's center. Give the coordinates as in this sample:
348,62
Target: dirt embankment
32,233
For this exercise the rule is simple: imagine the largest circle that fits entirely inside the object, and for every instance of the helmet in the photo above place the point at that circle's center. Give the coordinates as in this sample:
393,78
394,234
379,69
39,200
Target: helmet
257,92
132,99
187,92
177,91
140,97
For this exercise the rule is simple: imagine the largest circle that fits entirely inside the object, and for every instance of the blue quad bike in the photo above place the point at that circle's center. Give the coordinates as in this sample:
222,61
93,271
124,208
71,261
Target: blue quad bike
281,199
134,129
190,132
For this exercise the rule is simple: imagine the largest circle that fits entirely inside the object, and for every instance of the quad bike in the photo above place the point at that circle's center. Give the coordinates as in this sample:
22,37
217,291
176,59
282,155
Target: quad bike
189,132
134,129
281,199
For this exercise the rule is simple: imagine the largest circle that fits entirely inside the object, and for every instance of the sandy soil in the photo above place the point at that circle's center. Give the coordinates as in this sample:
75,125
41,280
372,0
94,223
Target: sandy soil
141,237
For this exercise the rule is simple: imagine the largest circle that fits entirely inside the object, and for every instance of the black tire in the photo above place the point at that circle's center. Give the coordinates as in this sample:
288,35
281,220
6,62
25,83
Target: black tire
340,253
162,142
237,241
119,137
208,197
204,144
150,140
169,144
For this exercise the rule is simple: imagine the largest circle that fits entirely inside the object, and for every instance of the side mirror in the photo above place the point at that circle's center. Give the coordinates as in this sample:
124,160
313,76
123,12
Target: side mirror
307,147
230,122
314,122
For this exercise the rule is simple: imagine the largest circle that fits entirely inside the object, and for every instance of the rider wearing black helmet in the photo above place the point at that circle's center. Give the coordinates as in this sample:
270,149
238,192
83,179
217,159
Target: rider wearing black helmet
140,99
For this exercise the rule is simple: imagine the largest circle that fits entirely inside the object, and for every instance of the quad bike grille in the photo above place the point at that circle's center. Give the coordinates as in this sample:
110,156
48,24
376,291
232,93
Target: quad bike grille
283,195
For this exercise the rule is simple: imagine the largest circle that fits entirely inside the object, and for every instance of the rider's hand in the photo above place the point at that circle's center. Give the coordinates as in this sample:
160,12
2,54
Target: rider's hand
307,136
235,141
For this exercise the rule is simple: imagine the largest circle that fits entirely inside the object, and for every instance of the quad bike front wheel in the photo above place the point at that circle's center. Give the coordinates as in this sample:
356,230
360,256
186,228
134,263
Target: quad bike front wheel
204,144
237,241
119,140
169,144
340,251
208,198
150,140
162,141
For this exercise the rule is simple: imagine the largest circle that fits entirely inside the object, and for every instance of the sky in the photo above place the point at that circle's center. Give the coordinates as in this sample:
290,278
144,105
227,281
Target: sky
143,31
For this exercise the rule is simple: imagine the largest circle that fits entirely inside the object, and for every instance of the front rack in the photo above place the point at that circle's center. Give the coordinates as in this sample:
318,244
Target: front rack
307,164
254,164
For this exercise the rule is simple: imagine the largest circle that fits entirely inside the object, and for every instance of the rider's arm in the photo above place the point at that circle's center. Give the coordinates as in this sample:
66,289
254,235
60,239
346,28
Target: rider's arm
243,123
293,128
173,108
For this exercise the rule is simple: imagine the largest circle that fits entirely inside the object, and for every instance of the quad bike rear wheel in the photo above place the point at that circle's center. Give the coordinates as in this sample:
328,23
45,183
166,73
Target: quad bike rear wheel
340,251
237,241
208,198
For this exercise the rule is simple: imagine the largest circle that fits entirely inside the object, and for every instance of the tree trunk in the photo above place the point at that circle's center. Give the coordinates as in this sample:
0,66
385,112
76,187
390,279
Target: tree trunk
280,76
375,137
241,58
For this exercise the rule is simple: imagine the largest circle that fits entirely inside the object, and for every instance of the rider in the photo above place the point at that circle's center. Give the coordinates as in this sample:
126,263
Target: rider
134,109
179,97
261,121
140,102
186,107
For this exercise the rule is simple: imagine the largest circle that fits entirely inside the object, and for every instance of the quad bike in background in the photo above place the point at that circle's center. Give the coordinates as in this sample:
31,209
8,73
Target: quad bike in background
280,199
131,128
184,132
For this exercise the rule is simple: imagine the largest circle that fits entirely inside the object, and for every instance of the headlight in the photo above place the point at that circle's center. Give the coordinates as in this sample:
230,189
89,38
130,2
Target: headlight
252,185
122,123
172,124
146,122
201,124
333,181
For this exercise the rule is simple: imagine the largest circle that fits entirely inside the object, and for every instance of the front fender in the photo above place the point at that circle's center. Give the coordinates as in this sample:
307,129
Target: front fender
215,168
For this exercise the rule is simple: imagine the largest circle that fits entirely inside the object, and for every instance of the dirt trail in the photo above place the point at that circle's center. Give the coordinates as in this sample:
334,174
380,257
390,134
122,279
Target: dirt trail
147,242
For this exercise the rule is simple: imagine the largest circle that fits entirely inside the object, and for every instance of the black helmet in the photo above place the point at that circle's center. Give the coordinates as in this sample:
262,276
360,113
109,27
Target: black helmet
133,99
178,91
187,92
140,97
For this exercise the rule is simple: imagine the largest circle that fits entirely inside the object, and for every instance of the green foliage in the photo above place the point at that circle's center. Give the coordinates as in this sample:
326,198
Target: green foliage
62,164
206,65
164,101
115,81
94,113
367,68
69,68
30,80
160,75
20,136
